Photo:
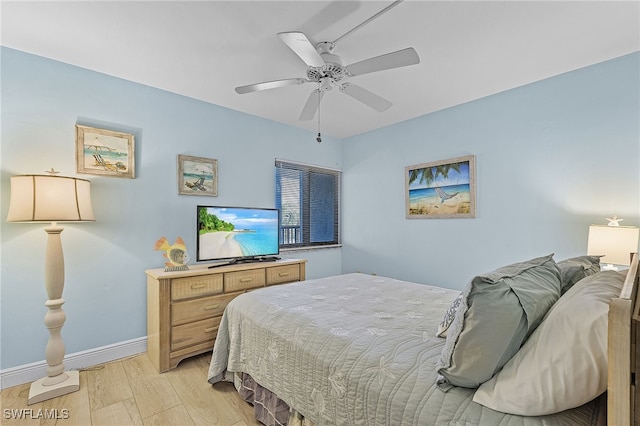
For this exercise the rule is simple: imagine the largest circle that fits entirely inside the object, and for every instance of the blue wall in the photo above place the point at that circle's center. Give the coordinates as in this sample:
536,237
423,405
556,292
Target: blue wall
105,286
552,158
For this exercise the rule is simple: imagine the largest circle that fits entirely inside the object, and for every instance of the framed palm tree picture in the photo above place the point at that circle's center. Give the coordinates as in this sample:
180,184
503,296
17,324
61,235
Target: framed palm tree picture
441,189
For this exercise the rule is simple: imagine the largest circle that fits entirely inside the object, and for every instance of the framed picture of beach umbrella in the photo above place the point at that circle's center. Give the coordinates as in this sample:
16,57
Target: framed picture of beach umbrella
105,152
197,176
441,189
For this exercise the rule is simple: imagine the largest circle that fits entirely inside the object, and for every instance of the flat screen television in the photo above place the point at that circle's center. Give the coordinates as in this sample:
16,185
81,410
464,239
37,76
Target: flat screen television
237,234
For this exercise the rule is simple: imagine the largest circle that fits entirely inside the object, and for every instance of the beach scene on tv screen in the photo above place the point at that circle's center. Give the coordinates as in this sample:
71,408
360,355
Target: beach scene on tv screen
226,232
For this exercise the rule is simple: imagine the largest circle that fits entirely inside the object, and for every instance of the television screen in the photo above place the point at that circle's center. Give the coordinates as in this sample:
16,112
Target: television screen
236,233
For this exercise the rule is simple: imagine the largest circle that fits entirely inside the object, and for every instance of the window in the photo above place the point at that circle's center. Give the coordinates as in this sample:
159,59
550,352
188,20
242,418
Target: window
308,198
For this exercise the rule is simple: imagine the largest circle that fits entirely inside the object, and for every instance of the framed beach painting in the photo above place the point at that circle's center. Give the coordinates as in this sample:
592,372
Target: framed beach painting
197,176
441,189
105,152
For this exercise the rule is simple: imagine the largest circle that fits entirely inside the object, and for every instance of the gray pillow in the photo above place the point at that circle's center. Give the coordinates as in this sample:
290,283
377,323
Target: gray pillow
576,268
497,312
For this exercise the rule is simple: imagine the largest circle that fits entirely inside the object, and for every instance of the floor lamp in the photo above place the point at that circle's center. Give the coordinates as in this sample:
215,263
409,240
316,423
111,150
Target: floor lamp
51,198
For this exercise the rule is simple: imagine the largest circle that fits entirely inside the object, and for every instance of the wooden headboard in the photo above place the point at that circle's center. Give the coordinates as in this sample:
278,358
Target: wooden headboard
623,402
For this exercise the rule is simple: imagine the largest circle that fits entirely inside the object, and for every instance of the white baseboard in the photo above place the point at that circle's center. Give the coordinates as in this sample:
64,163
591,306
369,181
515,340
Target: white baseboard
30,372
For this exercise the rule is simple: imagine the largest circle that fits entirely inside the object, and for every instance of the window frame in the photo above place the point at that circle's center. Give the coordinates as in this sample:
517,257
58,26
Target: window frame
305,184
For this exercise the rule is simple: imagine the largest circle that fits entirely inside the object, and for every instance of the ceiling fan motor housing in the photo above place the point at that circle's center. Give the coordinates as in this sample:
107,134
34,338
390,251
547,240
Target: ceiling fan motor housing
331,72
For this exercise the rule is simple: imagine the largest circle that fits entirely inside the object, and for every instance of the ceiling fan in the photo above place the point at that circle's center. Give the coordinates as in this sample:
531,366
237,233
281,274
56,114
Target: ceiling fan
326,70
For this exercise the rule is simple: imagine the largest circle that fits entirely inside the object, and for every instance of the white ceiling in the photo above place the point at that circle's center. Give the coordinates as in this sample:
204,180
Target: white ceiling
204,49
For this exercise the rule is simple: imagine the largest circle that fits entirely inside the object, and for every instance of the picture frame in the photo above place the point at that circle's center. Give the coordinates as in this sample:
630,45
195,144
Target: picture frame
197,176
105,152
443,189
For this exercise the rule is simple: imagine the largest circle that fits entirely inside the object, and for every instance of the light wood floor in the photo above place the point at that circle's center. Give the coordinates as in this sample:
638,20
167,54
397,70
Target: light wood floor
131,392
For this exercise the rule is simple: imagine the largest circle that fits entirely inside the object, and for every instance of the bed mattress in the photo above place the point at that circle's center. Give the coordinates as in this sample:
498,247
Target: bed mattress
355,350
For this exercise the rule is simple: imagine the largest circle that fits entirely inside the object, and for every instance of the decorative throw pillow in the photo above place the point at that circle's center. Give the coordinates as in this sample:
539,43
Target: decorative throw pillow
497,312
576,268
448,317
564,363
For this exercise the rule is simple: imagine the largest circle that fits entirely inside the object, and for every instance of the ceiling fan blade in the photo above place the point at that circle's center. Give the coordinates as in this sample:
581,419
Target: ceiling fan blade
270,85
310,108
300,44
365,96
400,58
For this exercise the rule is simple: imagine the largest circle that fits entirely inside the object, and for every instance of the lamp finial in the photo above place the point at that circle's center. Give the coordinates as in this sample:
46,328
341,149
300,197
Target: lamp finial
614,221
53,172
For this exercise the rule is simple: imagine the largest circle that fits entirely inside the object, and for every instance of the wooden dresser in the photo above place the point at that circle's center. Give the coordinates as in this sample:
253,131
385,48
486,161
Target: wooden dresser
184,308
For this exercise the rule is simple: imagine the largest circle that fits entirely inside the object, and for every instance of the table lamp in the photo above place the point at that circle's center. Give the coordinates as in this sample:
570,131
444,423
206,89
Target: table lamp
51,198
613,242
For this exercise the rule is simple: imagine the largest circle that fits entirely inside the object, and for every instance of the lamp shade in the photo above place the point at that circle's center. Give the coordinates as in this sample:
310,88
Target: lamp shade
615,243
42,198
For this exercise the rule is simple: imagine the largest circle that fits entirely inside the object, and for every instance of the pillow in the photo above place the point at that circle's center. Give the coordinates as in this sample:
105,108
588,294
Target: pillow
574,269
564,363
448,317
497,312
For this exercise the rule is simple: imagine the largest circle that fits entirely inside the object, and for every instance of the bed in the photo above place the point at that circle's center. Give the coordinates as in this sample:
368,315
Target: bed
357,349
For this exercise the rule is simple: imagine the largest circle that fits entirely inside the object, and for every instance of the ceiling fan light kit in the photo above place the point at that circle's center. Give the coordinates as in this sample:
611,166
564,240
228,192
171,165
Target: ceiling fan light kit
326,69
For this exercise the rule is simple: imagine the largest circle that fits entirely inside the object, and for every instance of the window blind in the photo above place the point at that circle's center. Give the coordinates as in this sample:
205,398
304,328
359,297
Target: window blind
309,201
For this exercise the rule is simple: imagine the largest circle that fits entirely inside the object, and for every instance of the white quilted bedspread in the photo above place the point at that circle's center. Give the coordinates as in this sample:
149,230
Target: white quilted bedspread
354,349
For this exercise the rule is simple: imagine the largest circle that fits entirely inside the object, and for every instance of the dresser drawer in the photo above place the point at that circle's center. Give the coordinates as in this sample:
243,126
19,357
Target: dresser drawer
243,280
283,274
184,288
197,309
193,333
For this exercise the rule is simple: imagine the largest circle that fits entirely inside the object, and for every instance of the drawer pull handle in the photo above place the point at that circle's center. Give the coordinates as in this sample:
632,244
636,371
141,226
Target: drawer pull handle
210,329
246,280
209,307
283,274
197,286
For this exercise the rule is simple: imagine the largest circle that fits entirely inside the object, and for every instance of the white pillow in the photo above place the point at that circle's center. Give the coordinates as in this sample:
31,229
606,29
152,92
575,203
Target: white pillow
563,364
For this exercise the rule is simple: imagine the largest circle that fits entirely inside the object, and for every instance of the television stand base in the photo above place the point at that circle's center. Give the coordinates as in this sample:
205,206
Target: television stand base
256,259
240,260
267,259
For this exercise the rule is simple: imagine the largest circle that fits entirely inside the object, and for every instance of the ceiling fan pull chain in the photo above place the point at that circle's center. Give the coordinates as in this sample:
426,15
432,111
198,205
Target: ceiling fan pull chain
319,138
